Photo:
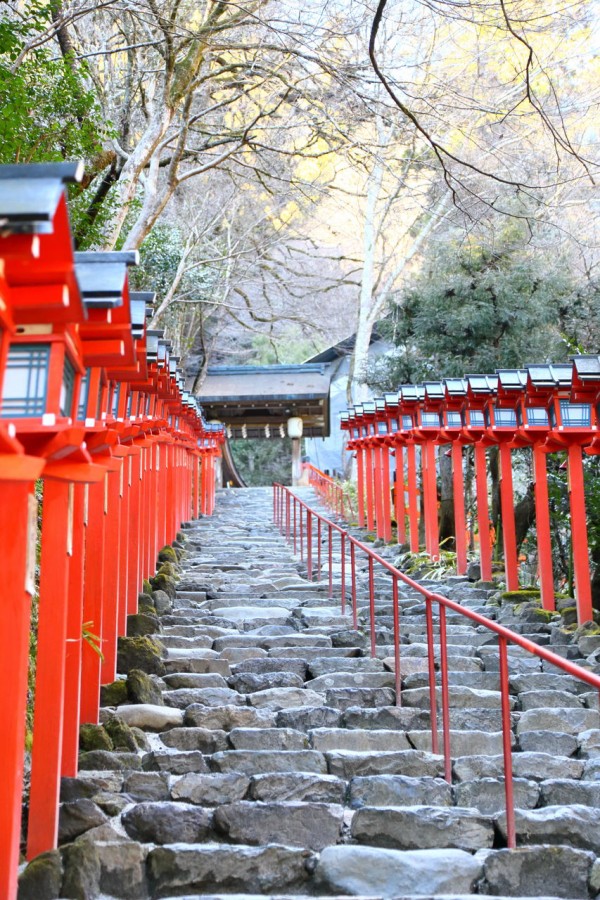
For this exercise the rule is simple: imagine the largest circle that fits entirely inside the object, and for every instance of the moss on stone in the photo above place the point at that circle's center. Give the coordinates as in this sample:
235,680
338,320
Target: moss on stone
140,624
94,737
168,569
167,554
162,582
569,615
146,586
121,734
143,653
141,688
521,595
113,694
42,878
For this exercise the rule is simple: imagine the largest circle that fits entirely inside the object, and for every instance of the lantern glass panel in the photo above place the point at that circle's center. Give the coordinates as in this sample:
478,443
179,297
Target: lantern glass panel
575,415
356,432
430,420
382,427
394,424
84,390
537,415
476,418
454,419
67,388
505,418
407,422
372,428
115,399
25,381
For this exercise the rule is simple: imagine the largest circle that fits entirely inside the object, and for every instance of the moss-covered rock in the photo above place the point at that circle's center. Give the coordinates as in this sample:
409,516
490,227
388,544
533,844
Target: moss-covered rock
140,624
42,878
141,688
121,734
94,737
146,599
169,569
146,587
162,582
569,615
521,596
113,694
587,629
81,870
167,554
143,653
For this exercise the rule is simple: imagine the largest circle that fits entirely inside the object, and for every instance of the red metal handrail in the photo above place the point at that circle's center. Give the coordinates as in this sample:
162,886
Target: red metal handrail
329,490
285,503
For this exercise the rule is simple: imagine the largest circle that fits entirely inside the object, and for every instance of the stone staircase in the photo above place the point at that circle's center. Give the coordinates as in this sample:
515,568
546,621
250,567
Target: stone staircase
266,757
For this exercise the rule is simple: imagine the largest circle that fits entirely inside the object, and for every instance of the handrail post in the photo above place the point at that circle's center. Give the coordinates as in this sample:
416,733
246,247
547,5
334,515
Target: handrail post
343,560
511,837
309,544
397,672
372,606
353,575
431,672
330,560
445,694
319,548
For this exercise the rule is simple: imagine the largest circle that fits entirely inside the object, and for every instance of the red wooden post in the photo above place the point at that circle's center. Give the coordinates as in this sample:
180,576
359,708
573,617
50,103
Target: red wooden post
399,498
50,675
430,499
413,508
460,519
111,575
483,516
360,485
542,527
17,534
70,746
511,563
386,493
377,490
94,571
369,486
581,563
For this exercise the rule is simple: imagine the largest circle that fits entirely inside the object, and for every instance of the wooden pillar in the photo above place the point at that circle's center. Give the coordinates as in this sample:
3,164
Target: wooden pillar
511,563
413,497
110,612
17,534
369,488
399,498
360,485
50,672
581,562
386,494
542,527
93,597
460,519
483,515
377,490
70,744
430,507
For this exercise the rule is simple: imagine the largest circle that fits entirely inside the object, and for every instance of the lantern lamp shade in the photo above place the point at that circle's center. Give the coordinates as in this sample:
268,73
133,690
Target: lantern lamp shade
30,195
25,388
102,277
294,427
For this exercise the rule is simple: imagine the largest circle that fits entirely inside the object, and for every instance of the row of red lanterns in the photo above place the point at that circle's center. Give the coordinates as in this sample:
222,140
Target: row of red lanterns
94,404
548,408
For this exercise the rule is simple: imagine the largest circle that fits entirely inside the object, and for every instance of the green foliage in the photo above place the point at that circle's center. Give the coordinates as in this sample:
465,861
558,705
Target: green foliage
261,462
47,112
474,308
